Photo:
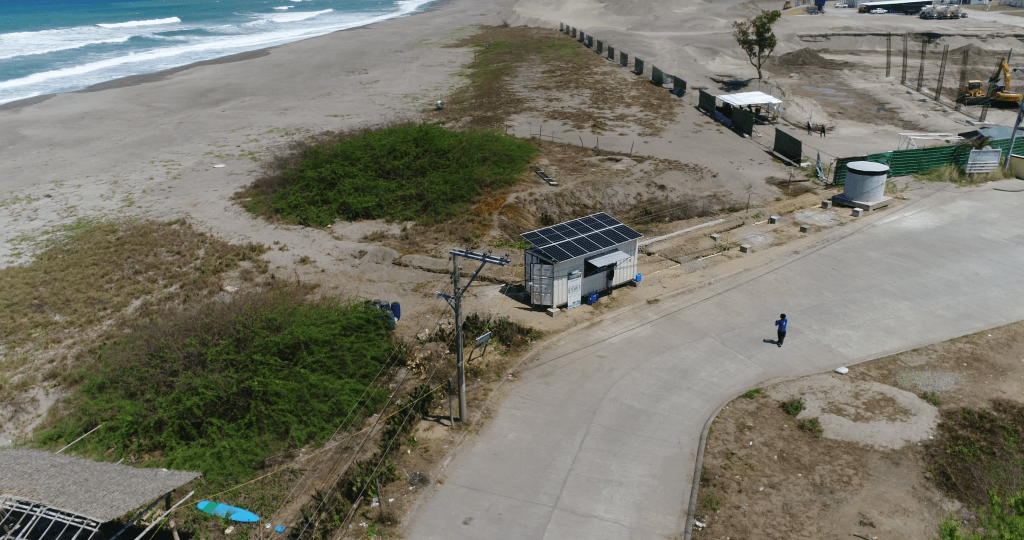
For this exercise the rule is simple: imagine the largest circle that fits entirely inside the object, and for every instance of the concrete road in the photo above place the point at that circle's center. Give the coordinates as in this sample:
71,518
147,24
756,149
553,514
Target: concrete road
598,438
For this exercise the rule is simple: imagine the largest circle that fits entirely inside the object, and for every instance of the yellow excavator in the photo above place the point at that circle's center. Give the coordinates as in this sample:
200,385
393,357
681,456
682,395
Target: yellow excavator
973,92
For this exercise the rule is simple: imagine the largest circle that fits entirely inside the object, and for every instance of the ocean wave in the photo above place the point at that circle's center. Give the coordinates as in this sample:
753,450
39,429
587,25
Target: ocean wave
282,8
295,16
48,41
151,22
197,48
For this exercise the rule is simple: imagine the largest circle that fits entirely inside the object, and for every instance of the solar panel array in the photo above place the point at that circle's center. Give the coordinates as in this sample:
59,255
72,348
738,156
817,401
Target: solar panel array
580,237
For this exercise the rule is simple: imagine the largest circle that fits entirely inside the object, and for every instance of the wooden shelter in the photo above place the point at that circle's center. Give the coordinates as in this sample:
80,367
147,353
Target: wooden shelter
46,496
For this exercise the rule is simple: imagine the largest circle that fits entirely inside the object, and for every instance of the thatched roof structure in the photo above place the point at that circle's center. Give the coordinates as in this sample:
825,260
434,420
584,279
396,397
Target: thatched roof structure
98,491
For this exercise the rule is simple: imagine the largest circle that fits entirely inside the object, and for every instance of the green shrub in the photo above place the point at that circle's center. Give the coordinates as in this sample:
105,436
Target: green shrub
811,425
222,389
408,172
793,407
752,393
1000,521
932,397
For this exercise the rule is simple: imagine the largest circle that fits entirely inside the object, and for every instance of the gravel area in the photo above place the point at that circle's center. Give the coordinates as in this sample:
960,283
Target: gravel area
929,381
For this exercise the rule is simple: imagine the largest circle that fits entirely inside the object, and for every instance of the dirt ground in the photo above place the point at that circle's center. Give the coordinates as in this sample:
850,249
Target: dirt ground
867,473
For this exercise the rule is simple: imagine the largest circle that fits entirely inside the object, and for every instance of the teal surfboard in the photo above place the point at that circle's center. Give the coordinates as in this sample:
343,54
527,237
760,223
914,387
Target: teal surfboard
228,511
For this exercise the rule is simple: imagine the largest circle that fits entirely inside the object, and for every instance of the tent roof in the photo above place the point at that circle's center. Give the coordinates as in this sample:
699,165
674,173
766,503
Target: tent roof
98,491
748,98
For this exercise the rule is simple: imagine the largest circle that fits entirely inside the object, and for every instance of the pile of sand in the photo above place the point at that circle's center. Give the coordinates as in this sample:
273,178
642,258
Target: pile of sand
805,58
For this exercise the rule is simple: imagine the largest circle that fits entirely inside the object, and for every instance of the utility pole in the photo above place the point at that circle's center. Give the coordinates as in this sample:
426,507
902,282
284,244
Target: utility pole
455,301
1013,136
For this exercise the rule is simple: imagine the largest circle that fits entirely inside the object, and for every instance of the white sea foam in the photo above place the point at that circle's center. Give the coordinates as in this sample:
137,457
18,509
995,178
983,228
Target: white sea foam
48,41
295,17
196,48
151,22
282,8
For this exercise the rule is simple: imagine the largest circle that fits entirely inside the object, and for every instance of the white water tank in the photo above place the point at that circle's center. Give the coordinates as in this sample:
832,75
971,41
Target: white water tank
865,181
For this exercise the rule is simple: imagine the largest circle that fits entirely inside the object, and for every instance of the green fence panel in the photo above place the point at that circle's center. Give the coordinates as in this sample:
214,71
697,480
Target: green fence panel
657,77
706,102
788,146
638,66
839,174
743,121
611,52
623,59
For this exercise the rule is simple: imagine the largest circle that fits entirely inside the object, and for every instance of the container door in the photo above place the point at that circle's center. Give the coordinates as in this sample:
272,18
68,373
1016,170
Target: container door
542,286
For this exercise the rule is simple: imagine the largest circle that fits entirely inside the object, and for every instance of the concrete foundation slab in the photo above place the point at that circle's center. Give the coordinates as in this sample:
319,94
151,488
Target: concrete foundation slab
840,200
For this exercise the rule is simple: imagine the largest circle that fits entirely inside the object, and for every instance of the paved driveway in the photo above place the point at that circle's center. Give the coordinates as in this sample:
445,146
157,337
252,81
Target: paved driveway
598,438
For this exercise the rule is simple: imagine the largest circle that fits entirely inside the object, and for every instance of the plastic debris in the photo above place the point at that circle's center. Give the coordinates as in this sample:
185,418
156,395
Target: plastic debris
842,370
279,529
375,503
218,166
762,489
699,524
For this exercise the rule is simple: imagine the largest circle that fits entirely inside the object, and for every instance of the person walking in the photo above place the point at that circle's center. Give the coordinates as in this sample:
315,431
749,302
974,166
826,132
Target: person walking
809,127
781,323
823,130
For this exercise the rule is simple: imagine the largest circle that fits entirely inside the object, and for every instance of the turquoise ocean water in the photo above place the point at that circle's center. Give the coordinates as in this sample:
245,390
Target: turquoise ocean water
49,46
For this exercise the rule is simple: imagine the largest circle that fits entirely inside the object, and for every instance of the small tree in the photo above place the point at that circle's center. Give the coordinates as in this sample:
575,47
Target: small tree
756,38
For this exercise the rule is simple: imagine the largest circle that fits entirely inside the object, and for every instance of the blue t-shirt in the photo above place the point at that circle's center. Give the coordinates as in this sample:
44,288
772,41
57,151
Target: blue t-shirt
781,323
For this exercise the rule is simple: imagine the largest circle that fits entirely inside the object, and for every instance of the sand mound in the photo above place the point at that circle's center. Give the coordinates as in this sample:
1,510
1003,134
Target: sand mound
805,58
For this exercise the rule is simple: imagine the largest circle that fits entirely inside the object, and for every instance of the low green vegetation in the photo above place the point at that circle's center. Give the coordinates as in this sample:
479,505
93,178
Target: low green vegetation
955,175
812,426
998,521
406,172
978,451
328,509
793,407
220,389
752,393
931,397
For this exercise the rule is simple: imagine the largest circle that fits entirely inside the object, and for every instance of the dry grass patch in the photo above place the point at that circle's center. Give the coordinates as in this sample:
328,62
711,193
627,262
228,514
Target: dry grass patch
108,269
579,86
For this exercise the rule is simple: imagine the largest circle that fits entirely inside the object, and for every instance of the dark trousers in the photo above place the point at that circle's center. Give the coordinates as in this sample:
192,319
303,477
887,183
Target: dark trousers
782,337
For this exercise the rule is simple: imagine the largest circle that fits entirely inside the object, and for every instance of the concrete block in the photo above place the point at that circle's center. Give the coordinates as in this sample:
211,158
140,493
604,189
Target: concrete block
773,219
826,204
857,212
804,228
745,248
554,312
715,237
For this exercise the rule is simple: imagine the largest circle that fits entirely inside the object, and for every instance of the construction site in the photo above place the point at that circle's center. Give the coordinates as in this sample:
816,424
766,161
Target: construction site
195,348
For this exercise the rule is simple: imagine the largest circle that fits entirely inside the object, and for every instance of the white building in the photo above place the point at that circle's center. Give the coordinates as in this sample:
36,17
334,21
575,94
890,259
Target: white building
570,260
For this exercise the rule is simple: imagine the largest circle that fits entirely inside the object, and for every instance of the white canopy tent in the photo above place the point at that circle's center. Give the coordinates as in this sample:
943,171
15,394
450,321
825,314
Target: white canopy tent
757,102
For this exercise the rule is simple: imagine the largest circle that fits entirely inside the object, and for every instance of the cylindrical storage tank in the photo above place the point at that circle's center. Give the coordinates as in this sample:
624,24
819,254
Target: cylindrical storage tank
865,181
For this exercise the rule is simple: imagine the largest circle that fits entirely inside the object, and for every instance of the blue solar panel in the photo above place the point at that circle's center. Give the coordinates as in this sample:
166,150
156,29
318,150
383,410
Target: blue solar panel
615,236
579,227
572,249
552,235
535,239
586,244
580,237
627,232
601,240
556,253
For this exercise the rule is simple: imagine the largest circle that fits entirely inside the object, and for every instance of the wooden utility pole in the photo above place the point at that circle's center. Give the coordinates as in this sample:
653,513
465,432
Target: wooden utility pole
903,79
942,72
963,78
920,69
455,301
888,54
